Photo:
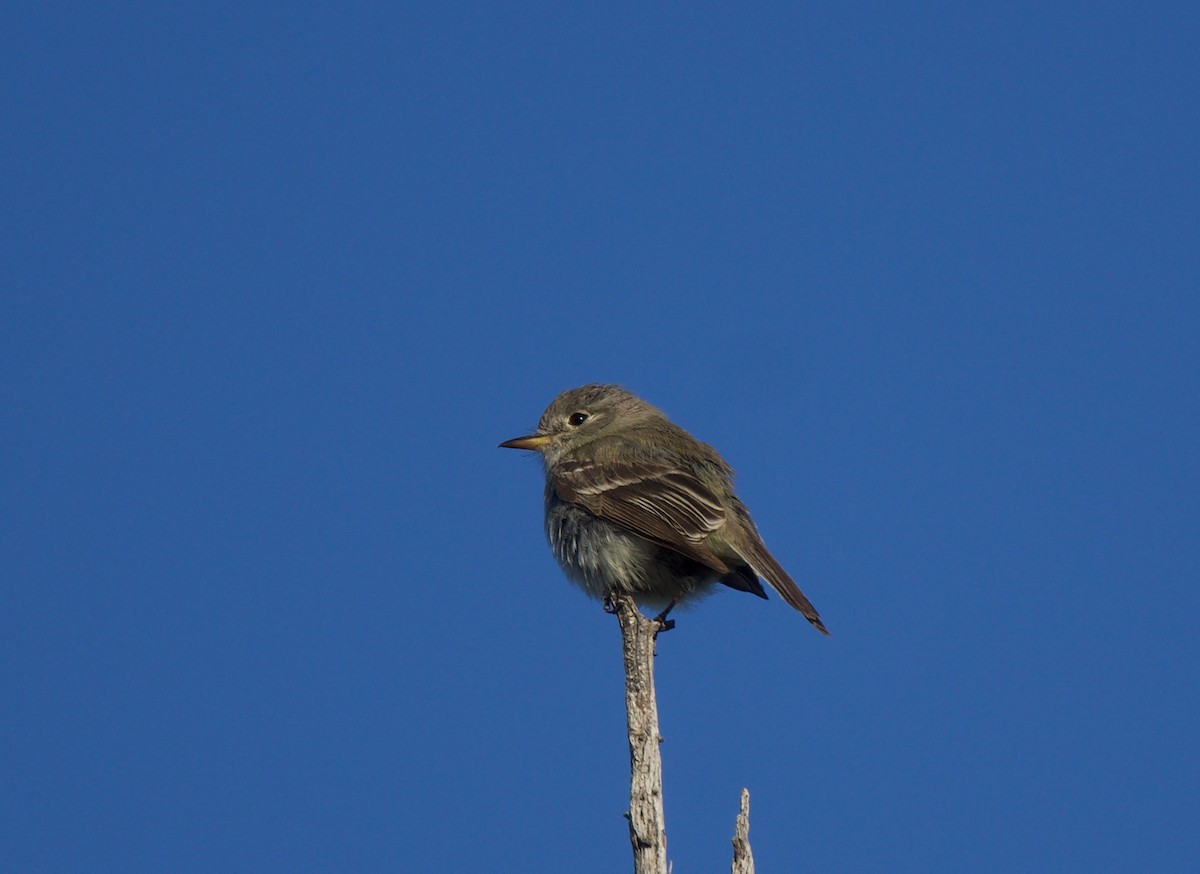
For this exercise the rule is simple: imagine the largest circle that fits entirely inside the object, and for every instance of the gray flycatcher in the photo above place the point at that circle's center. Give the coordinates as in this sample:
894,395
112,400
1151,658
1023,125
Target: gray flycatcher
636,504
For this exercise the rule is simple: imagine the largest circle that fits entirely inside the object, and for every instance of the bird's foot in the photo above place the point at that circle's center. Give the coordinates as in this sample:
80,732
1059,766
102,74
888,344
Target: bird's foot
663,623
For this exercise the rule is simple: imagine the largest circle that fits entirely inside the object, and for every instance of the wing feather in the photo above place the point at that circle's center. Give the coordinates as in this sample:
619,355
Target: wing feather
655,500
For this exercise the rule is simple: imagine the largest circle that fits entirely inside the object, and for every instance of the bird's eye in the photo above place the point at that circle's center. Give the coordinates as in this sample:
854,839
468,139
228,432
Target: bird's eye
577,419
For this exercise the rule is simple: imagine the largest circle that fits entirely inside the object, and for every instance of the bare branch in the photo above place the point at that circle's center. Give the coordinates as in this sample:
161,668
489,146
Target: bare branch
647,826
743,859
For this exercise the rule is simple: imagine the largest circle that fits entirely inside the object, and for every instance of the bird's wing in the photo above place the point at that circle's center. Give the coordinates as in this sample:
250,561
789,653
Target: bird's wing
656,500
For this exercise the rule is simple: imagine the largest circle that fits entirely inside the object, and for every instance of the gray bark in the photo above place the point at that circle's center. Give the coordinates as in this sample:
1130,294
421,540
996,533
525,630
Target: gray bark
743,859
647,826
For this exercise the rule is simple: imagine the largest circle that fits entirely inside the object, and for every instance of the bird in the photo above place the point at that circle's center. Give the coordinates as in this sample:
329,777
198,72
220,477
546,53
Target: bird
636,504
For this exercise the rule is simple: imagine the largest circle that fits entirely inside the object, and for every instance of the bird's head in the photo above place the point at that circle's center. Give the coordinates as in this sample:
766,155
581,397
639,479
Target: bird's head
580,415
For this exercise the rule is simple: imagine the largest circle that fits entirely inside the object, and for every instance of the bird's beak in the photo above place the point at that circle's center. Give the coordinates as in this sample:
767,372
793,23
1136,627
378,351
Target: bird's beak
533,441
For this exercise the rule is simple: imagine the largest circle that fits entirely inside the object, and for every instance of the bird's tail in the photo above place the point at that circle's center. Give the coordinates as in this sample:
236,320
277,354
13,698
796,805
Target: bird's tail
769,569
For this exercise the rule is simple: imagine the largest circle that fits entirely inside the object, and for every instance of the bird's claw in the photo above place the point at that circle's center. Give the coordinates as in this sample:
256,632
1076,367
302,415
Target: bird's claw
664,624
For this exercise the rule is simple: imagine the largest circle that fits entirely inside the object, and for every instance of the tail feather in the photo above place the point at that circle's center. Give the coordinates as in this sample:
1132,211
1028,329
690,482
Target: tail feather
770,570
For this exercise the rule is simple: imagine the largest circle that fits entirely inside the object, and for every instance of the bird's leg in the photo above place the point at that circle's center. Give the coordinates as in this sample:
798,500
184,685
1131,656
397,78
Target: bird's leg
665,624
661,620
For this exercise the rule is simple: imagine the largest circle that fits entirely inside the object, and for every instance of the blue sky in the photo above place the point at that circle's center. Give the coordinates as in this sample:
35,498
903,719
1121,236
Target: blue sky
278,279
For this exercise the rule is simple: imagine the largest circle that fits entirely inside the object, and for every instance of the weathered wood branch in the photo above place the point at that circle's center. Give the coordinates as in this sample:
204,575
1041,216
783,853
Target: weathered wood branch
743,859
647,826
